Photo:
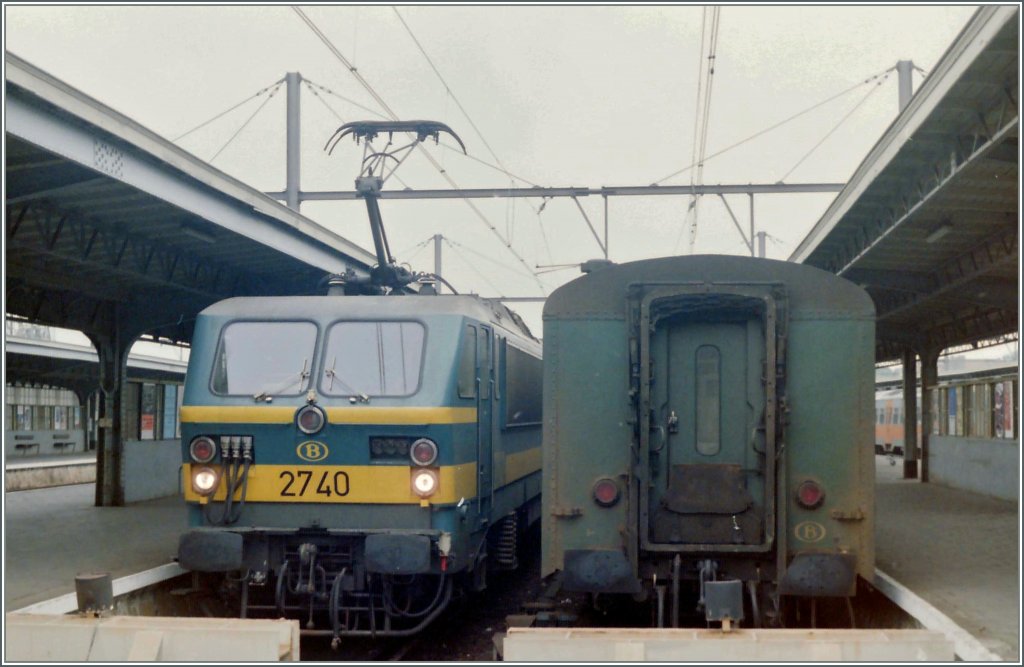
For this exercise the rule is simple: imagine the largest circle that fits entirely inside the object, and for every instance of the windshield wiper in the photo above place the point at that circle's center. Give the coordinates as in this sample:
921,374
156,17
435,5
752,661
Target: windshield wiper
267,395
356,395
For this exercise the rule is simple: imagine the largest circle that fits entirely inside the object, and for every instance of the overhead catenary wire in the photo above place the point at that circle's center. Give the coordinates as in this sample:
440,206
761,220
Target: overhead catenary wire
228,110
359,77
777,125
246,123
312,85
834,128
450,93
702,116
485,257
470,264
341,119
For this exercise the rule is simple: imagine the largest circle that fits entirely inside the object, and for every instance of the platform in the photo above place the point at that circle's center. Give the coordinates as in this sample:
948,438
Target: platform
52,534
35,472
955,549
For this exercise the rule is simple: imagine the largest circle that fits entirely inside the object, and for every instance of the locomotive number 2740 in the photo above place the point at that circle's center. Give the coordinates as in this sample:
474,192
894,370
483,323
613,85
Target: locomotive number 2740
298,483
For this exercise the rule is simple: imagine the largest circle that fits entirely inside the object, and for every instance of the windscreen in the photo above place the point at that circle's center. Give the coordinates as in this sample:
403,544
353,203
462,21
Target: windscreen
271,358
372,359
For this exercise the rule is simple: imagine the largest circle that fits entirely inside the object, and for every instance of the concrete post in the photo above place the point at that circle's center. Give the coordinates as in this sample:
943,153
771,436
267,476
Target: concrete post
905,71
292,188
929,378
760,243
910,454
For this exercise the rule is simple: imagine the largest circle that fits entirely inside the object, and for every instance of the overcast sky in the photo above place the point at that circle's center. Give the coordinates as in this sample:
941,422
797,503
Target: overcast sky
562,95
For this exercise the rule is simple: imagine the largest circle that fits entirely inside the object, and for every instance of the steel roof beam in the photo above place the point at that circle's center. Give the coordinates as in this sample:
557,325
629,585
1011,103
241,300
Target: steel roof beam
990,254
548,193
107,250
908,208
892,280
985,26
104,141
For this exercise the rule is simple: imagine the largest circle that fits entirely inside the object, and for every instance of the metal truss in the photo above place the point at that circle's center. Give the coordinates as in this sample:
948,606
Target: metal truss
35,229
983,140
904,292
955,330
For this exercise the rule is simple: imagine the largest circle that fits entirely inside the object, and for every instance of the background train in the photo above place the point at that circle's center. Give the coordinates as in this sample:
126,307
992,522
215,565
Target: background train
707,422
350,460
971,403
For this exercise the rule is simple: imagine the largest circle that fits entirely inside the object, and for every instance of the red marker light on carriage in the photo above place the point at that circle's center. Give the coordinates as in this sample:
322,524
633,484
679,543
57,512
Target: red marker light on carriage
423,452
606,492
810,494
202,449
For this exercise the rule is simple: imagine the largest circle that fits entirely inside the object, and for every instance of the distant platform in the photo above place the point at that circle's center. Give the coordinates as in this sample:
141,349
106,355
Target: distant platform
37,472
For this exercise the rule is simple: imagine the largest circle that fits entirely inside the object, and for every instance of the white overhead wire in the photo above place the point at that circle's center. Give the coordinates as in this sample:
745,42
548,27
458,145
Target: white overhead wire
775,126
835,127
450,94
702,115
227,111
359,77
246,123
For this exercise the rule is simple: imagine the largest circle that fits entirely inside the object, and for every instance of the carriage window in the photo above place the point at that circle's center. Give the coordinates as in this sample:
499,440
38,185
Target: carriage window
373,359
467,364
523,378
272,358
709,440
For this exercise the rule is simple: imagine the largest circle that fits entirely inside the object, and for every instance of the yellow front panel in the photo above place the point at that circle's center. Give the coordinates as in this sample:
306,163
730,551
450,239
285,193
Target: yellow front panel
358,484
273,414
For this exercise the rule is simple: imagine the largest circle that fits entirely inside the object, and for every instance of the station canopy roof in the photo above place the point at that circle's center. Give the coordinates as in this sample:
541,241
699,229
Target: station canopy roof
106,220
929,223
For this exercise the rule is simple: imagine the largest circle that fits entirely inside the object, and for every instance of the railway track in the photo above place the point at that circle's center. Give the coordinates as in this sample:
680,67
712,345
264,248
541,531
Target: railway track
466,631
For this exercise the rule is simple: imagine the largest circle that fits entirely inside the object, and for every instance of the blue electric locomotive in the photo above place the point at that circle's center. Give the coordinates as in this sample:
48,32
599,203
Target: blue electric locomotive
349,458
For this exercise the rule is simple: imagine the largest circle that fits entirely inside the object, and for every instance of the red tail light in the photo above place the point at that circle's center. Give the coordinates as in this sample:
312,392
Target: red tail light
606,492
810,494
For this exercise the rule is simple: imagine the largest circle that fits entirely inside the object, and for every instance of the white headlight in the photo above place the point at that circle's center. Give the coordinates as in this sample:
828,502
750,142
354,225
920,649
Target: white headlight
424,483
204,481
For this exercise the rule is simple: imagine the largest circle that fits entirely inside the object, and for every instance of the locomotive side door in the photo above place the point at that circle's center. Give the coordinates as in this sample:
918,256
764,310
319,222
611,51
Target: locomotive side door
707,417
485,416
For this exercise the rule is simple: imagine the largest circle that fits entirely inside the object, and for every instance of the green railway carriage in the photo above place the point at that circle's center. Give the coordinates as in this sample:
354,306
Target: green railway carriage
350,459
707,422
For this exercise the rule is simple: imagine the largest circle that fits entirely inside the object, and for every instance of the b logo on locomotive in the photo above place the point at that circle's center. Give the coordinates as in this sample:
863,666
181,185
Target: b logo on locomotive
312,451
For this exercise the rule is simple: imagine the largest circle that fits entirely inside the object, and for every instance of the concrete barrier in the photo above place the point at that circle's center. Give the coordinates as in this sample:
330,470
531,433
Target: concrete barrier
78,638
674,645
983,465
151,469
54,473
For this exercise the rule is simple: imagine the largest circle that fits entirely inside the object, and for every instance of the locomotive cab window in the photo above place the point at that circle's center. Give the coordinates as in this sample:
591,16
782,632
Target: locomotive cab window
272,358
467,364
373,359
708,379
